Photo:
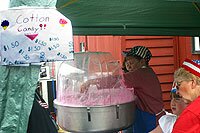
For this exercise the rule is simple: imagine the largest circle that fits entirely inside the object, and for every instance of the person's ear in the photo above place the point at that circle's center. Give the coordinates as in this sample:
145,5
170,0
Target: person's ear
194,83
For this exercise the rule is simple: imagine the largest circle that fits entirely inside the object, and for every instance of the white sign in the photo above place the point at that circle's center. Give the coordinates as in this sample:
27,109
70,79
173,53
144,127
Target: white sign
34,35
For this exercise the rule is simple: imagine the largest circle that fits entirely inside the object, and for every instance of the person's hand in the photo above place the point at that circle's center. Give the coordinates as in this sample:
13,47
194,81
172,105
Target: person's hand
84,87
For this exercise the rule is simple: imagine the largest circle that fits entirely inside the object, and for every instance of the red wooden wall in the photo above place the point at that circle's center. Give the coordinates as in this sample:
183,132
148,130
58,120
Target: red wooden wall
185,49
168,53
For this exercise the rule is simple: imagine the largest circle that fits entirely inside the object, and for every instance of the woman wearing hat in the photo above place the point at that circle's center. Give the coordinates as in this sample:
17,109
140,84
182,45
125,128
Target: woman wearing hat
143,79
187,79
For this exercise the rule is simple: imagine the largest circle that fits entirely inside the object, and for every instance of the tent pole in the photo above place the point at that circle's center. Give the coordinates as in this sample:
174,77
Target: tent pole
196,6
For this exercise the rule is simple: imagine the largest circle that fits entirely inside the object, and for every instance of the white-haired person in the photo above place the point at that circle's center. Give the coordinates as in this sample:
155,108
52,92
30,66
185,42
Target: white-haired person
140,76
166,122
187,79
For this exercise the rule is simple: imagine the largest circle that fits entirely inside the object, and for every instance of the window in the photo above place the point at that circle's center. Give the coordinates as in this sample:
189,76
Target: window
196,45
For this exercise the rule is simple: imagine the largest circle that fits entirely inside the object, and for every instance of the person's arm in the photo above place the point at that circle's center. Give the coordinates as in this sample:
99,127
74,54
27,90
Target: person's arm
84,87
108,82
157,130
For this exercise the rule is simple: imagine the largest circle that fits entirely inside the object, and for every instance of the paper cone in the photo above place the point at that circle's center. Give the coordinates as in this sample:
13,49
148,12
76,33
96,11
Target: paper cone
62,25
5,27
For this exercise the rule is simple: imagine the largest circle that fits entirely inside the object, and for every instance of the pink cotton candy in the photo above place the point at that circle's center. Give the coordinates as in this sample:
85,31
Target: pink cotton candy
94,97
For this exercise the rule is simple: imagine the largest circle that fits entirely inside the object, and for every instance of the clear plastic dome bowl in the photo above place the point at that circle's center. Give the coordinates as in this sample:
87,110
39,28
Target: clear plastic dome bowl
91,79
91,96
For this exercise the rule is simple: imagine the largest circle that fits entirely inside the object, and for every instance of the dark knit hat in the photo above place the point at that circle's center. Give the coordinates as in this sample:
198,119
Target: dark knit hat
140,51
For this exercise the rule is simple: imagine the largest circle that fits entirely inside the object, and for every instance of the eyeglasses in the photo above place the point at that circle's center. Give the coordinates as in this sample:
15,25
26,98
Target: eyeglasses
175,95
177,100
178,84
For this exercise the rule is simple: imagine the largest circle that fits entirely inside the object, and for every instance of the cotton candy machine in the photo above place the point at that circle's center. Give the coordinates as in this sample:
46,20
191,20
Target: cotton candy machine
91,96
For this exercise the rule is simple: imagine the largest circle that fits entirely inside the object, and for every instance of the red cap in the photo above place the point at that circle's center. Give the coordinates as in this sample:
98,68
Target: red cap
192,67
